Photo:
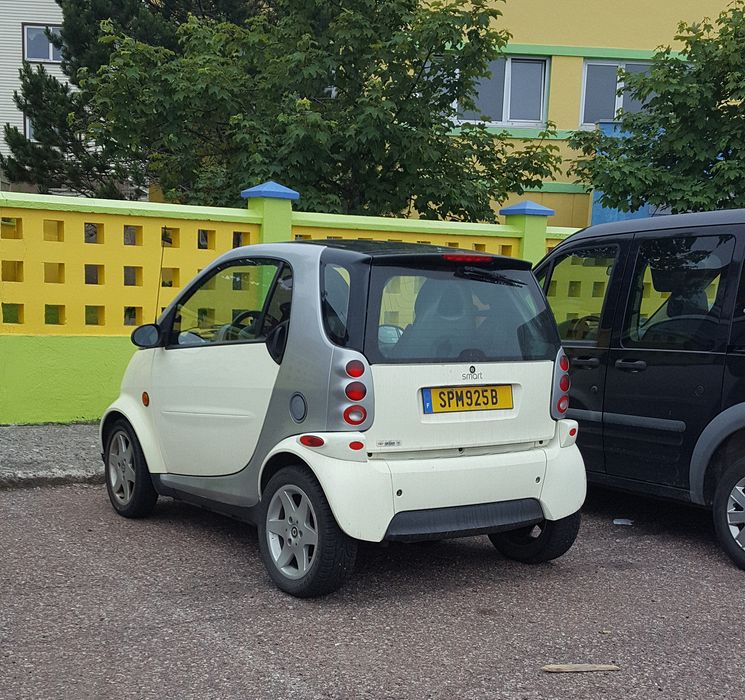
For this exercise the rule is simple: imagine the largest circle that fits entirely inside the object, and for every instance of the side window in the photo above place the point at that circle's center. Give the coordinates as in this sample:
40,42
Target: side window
677,293
335,302
228,307
577,289
278,310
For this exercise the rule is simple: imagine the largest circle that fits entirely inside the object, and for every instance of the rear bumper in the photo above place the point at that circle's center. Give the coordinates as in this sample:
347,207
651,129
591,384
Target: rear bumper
463,521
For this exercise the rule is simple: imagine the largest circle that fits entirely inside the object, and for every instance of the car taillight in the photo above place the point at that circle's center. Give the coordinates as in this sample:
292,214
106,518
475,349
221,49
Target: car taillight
355,368
355,415
356,445
356,391
312,441
560,388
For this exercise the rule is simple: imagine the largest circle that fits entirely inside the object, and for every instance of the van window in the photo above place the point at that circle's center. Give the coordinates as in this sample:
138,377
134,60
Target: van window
677,293
577,290
448,314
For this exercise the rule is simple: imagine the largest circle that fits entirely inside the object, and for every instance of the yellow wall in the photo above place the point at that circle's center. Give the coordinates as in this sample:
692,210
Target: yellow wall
38,273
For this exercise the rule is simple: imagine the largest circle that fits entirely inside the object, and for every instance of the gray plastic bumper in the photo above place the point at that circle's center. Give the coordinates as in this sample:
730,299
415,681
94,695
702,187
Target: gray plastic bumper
463,521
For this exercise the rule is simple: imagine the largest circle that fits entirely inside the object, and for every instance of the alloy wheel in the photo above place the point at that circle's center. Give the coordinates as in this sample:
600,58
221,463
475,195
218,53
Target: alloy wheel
291,531
121,469
736,513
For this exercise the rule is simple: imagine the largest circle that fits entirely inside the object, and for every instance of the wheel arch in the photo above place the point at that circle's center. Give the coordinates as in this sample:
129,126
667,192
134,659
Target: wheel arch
126,409
722,437
280,460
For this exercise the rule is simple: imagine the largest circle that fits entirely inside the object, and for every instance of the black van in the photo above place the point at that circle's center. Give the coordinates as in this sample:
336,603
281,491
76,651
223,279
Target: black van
651,313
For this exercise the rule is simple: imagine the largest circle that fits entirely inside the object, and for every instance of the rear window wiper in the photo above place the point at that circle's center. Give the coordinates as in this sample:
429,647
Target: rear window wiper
482,275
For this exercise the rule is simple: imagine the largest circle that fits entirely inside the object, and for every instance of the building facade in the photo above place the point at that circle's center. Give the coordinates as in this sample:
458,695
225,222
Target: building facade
562,65
23,36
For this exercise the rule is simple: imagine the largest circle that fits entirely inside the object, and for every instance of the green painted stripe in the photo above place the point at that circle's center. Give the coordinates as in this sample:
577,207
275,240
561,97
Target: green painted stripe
421,226
560,231
519,132
583,51
20,200
559,187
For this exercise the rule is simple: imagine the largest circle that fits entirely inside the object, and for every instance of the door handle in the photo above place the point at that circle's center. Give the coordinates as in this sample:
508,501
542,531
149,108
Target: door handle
631,365
586,362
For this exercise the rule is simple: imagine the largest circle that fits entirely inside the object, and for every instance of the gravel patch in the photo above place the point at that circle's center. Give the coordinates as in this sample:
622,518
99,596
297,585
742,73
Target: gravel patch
37,455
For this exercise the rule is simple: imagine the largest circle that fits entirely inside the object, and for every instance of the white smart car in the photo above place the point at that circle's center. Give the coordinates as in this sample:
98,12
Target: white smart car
337,391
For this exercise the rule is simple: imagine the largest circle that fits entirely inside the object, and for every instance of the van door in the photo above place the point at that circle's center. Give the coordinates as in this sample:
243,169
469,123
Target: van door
581,284
666,363
212,384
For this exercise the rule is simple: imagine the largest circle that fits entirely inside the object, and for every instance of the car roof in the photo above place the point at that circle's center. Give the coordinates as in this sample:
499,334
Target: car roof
662,223
398,252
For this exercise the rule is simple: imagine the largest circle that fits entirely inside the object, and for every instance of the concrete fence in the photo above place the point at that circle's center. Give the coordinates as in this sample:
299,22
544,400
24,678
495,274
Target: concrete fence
77,275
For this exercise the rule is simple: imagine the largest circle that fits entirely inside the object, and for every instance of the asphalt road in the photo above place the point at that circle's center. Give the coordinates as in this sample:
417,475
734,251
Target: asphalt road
179,606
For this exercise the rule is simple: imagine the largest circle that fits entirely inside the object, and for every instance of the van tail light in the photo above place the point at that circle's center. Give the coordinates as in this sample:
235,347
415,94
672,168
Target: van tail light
560,388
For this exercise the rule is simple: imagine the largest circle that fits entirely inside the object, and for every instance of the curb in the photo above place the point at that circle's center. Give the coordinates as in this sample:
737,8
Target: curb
31,479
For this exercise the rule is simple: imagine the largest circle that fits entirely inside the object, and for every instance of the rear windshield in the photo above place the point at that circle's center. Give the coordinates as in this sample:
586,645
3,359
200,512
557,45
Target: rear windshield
457,313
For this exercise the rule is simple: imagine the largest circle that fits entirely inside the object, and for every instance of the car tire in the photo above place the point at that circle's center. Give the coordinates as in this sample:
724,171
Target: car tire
128,481
729,512
303,549
538,543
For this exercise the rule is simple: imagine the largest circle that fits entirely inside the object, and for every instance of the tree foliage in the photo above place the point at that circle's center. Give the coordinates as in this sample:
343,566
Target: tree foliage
63,153
351,104
686,149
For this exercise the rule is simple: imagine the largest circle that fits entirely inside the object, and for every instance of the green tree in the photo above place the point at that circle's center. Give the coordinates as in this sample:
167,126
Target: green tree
685,149
352,104
63,153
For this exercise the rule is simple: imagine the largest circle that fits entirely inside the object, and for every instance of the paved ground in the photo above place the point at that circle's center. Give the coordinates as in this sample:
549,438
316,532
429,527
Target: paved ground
178,606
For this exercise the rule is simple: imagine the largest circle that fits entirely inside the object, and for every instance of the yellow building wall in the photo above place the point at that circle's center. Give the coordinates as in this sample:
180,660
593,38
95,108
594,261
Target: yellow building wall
569,32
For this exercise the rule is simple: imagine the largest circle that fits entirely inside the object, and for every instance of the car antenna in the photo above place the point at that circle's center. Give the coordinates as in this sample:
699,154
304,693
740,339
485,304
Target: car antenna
165,237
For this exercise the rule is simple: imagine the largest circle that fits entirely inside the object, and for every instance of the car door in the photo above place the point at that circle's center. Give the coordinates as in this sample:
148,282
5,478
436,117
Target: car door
212,383
581,285
667,358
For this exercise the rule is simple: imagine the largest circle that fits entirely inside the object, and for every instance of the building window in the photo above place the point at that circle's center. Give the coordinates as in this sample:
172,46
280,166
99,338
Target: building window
515,94
603,95
36,44
28,129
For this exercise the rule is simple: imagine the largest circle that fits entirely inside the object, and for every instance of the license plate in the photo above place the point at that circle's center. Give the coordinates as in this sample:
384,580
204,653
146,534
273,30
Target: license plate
448,399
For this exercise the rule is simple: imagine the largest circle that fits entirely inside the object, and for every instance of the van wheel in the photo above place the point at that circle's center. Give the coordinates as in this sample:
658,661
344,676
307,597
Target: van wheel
128,481
538,543
729,512
304,550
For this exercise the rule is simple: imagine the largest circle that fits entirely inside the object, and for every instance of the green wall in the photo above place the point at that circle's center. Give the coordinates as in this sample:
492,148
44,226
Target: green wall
60,379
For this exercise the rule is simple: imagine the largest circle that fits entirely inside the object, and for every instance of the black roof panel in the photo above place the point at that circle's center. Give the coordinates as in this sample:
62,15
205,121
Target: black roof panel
662,223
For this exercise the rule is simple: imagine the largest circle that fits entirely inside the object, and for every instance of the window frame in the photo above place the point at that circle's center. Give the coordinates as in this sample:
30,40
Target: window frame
506,101
729,273
198,284
607,312
39,25
619,64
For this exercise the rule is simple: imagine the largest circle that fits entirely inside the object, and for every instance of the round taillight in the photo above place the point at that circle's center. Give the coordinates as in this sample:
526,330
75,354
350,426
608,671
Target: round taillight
356,445
354,415
356,391
312,441
572,432
355,368
564,363
563,404
564,383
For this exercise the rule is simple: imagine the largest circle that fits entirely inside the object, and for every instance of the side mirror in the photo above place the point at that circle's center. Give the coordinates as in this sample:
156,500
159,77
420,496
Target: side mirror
147,336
